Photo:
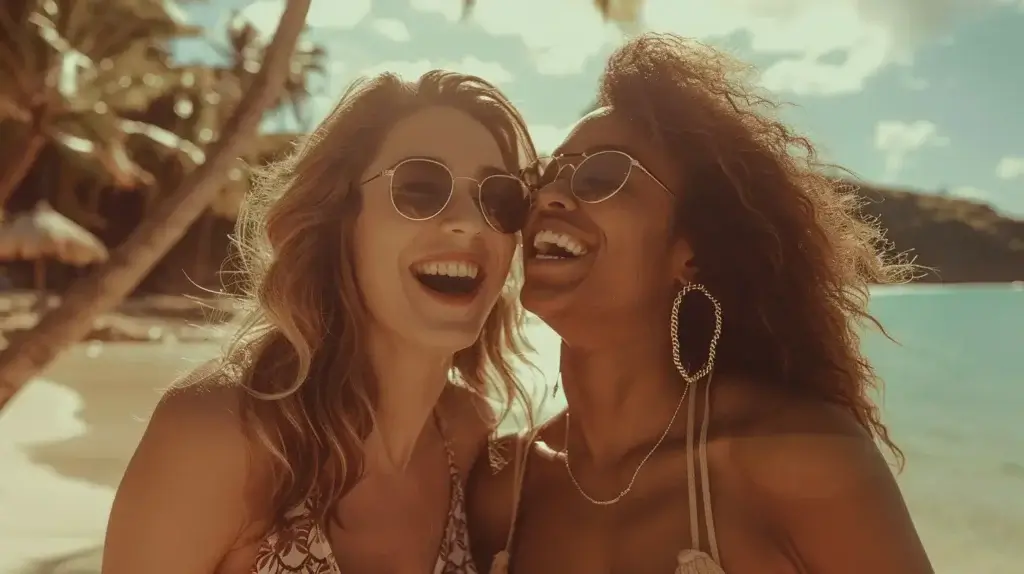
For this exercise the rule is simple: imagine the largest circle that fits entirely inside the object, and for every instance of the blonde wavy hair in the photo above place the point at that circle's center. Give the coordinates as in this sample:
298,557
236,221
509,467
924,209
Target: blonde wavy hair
300,352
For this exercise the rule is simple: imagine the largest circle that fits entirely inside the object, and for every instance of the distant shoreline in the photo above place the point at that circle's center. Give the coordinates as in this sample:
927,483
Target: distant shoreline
168,318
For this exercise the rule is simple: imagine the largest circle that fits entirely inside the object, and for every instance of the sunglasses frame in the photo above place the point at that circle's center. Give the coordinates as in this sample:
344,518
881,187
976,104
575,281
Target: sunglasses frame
633,163
389,173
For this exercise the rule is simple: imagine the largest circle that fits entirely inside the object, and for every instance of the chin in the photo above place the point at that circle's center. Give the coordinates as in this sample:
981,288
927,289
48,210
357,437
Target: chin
545,303
449,339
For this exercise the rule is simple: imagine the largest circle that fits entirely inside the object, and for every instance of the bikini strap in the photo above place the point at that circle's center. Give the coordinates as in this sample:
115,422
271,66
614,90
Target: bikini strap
697,473
709,515
442,429
691,475
500,563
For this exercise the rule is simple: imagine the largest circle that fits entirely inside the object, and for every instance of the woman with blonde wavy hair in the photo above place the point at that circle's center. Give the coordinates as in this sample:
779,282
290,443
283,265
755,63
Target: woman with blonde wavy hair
336,435
708,282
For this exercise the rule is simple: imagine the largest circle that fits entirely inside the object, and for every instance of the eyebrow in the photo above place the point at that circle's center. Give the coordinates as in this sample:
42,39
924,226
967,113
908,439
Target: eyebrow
482,172
595,149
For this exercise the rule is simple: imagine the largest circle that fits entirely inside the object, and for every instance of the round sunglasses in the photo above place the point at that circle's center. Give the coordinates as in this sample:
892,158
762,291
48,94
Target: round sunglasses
596,177
421,188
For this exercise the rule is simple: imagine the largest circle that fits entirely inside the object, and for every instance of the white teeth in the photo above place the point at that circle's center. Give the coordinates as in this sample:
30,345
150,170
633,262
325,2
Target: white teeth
449,268
546,238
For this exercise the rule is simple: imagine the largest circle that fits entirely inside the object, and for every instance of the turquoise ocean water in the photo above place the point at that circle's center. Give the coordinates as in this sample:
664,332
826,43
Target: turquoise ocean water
954,402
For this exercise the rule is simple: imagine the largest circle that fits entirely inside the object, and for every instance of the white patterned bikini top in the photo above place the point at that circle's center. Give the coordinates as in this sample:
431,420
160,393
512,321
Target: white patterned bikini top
692,560
304,548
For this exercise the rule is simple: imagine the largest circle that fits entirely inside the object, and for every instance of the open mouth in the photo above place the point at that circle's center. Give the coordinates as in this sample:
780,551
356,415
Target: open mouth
449,278
555,245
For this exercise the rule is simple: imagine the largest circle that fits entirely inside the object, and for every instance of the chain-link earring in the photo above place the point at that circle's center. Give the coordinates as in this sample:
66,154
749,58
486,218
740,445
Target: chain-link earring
674,333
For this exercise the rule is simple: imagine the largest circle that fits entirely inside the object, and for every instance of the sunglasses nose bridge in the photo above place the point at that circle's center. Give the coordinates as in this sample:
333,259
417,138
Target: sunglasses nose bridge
565,166
476,182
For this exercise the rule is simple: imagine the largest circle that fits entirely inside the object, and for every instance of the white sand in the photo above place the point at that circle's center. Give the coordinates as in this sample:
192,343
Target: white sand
64,447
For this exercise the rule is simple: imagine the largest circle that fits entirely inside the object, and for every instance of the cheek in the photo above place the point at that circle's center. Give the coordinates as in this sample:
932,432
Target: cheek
636,256
377,248
503,250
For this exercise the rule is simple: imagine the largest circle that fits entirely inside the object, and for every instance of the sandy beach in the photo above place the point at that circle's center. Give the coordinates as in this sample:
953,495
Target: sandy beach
66,439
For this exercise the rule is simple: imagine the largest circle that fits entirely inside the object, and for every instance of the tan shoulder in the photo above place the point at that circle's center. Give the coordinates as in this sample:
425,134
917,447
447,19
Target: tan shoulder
204,413
777,439
194,469
818,478
207,397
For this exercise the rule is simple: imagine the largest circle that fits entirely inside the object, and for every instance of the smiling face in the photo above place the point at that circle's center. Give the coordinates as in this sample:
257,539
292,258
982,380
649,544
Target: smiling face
614,258
431,282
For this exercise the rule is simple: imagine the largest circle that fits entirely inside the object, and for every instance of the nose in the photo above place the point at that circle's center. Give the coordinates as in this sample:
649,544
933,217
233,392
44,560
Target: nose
555,196
462,216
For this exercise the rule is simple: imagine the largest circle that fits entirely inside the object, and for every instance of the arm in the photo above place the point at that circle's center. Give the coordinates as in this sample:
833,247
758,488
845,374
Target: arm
822,482
181,504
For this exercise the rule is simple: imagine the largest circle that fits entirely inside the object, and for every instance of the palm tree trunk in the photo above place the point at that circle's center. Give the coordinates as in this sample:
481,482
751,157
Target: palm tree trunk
21,162
105,287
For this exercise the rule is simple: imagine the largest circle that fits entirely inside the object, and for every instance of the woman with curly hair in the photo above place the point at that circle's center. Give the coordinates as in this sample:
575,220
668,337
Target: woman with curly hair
708,282
337,434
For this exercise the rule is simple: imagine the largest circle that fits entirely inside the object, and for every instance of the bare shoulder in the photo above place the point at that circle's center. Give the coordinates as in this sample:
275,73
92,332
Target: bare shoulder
769,430
819,479
185,498
469,420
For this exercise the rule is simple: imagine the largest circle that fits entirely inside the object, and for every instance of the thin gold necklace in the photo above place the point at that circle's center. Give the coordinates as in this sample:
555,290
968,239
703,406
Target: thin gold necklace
629,487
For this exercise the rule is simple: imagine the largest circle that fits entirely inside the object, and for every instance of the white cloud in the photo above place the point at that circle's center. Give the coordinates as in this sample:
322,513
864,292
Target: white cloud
392,29
265,14
809,75
824,48
560,35
1010,167
411,70
897,140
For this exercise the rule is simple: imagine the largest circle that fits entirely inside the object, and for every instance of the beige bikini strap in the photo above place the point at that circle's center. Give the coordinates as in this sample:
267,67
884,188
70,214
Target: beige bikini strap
500,563
705,486
691,475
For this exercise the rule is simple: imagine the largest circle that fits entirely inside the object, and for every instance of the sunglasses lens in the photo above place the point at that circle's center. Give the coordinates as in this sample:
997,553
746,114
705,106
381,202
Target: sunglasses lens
505,203
420,189
601,175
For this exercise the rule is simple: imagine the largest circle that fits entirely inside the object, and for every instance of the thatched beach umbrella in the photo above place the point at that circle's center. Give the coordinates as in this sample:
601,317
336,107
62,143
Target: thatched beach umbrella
43,234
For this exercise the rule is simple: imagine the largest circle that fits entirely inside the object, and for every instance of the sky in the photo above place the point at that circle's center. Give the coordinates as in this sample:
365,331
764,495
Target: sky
919,94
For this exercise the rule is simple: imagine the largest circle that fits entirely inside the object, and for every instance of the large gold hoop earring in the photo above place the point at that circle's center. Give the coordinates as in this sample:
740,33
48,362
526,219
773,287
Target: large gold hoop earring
706,369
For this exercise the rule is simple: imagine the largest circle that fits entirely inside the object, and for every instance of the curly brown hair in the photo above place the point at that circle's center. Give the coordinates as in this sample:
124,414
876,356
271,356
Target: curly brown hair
782,246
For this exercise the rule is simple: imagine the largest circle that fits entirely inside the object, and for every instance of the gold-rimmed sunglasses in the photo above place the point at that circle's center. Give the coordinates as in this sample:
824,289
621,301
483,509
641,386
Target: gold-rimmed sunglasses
421,188
596,176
